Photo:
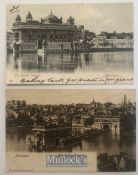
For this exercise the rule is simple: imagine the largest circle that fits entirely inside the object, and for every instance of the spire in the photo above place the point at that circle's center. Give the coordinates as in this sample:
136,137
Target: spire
93,100
125,99
51,12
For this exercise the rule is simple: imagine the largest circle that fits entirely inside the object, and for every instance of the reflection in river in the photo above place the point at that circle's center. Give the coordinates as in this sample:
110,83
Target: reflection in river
100,62
17,140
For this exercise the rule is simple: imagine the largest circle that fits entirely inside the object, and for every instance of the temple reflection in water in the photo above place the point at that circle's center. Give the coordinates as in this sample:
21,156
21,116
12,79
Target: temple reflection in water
103,62
45,62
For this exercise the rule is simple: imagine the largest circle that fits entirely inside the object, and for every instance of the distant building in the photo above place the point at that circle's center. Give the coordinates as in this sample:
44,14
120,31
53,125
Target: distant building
107,122
79,120
113,40
17,103
120,43
99,41
128,106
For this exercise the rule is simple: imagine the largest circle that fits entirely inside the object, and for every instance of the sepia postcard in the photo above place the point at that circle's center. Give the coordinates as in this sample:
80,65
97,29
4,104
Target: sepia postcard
71,130
69,43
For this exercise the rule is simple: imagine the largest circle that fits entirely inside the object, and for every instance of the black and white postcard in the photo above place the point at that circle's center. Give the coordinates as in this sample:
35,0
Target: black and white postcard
69,43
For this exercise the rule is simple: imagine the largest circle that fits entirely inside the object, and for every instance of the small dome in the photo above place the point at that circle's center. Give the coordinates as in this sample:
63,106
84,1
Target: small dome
29,15
70,18
18,18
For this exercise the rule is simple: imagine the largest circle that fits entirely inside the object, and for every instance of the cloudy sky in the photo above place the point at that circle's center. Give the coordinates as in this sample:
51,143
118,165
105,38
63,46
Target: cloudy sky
68,96
95,17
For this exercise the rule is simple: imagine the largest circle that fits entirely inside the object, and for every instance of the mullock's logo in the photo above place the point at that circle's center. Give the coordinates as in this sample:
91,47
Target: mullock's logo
76,160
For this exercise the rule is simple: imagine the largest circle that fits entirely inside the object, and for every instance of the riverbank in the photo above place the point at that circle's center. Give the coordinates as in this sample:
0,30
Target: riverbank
85,50
106,50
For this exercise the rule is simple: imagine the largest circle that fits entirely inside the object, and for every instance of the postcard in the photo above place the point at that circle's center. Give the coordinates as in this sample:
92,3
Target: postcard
69,43
71,130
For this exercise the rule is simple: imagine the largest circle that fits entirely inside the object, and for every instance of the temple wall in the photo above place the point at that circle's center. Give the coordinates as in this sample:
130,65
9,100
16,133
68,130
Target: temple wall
31,40
29,45
56,45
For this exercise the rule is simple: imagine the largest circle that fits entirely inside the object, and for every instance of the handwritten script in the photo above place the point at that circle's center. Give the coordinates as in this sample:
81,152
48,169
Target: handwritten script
106,79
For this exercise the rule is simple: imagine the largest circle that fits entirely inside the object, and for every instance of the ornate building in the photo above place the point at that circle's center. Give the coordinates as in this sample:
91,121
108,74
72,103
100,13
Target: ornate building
49,33
107,122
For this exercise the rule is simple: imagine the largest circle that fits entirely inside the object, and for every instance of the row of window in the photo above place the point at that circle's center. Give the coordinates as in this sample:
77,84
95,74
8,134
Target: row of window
106,120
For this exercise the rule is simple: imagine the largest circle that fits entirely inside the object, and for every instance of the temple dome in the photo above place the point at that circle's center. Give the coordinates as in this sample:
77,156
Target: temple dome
53,19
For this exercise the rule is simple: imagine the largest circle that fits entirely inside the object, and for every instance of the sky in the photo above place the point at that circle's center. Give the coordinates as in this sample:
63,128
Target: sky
68,96
95,17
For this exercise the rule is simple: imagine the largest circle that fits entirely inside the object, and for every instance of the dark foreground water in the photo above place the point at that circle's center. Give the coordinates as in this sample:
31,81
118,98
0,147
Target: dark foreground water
101,62
17,140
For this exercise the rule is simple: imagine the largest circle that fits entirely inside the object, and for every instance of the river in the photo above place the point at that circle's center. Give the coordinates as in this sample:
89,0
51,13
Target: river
17,140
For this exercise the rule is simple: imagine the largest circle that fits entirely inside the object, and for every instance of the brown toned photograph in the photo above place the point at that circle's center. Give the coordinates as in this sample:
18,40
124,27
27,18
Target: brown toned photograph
99,125
69,43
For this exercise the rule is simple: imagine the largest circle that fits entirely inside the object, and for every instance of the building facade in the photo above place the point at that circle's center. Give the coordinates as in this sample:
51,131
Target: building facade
49,33
107,123
111,40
